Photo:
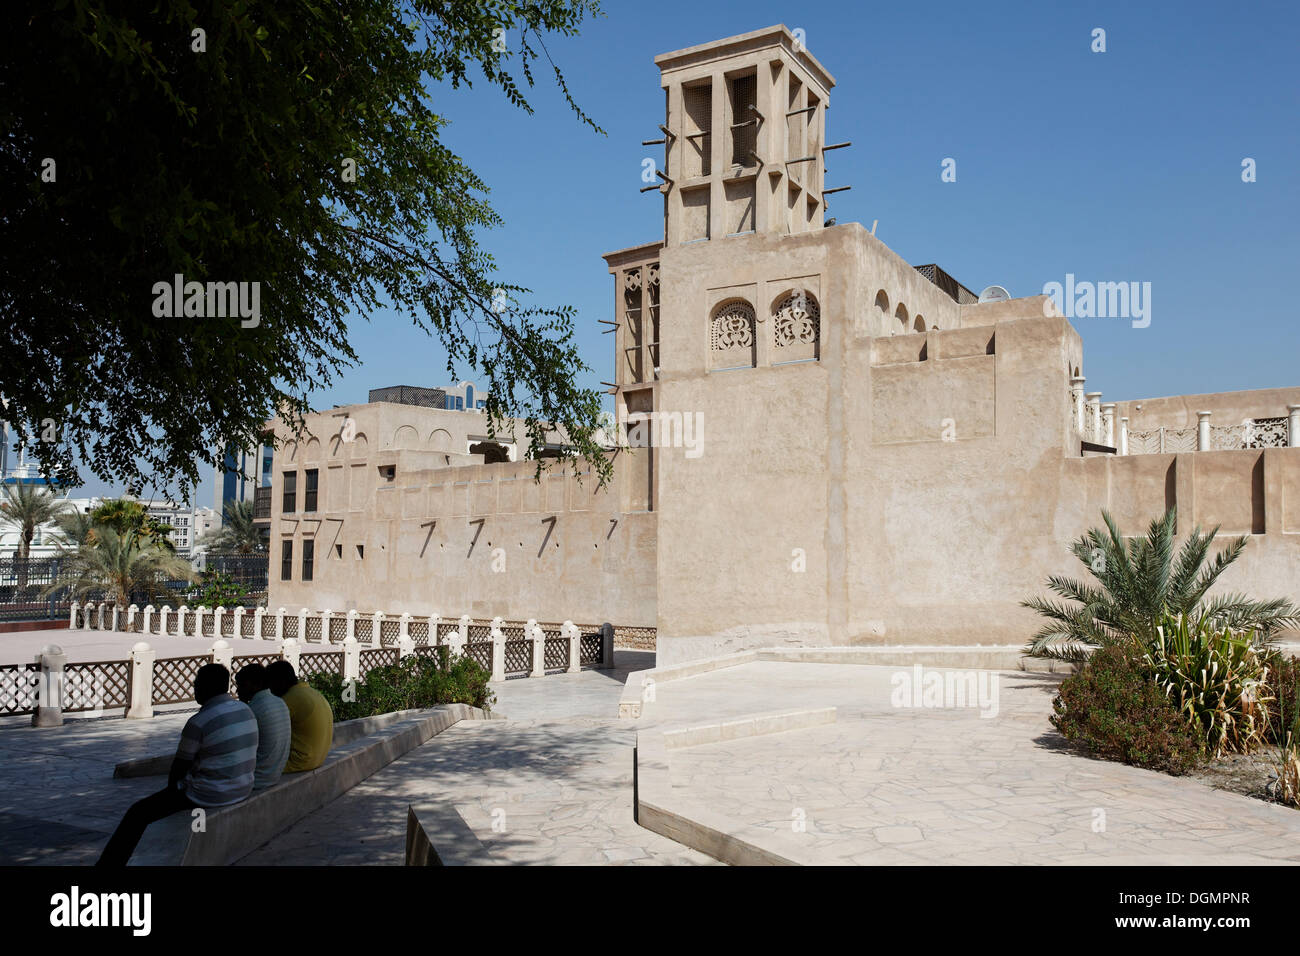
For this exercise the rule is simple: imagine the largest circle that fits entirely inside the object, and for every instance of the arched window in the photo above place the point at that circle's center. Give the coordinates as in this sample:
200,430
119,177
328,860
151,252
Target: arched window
469,396
882,302
731,335
901,314
491,451
919,324
796,327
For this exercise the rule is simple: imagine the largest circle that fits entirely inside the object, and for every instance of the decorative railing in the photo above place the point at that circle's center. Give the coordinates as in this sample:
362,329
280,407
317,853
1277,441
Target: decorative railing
310,627
145,681
1095,424
505,649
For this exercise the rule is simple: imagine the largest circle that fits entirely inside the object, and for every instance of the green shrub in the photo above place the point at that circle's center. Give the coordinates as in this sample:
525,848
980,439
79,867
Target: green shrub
414,682
1215,679
217,589
1283,686
1114,710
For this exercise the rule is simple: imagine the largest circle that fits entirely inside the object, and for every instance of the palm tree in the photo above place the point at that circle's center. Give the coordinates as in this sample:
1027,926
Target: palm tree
127,514
120,564
1138,584
29,507
238,533
74,529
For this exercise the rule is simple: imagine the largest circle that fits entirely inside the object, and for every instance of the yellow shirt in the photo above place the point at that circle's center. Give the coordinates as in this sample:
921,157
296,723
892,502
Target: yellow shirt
311,727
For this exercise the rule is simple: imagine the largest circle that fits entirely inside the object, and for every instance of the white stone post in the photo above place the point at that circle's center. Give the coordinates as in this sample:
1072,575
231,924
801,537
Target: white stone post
1123,435
258,614
1293,426
113,618
464,630
538,637
88,618
237,628
376,628
1108,423
1076,393
1094,417
180,620
456,641
325,627
302,625
1202,431
433,630
72,616
405,646
404,626
147,623
142,658
290,651
49,694
163,612
279,624
217,614
200,613
351,659
352,624
222,652
498,651
99,618
570,630
131,612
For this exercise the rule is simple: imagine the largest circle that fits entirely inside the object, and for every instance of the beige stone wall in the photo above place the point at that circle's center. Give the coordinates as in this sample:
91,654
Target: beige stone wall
445,537
1226,408
910,488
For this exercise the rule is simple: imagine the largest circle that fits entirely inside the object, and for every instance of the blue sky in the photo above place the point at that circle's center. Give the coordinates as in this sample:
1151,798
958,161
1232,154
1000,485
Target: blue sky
1123,165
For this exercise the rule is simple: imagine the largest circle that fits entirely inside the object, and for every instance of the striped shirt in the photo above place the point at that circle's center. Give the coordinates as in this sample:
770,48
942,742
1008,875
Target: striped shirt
273,729
221,739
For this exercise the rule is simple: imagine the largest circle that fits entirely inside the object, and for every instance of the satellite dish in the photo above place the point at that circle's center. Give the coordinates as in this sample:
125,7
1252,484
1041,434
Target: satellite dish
994,293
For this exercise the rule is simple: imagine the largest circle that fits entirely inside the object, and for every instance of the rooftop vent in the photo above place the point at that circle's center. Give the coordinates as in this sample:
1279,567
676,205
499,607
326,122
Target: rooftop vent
958,292
410,395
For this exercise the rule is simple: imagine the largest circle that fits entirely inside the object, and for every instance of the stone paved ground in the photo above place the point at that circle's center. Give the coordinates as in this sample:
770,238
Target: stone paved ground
21,647
887,785
555,777
882,785
58,799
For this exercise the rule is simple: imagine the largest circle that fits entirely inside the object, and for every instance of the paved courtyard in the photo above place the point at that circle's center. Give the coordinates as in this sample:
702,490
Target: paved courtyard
911,785
552,783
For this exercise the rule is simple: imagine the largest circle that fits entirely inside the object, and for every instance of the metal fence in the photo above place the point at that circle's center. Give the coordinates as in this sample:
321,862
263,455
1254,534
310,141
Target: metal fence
24,583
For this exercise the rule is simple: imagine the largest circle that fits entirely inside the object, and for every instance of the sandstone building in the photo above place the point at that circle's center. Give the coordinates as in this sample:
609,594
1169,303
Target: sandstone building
847,449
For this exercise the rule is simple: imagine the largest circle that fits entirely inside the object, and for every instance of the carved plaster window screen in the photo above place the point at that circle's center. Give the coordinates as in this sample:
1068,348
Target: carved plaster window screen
732,327
797,320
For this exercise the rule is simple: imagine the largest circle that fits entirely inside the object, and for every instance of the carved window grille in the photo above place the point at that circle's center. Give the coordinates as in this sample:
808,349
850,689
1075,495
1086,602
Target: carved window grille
796,327
731,334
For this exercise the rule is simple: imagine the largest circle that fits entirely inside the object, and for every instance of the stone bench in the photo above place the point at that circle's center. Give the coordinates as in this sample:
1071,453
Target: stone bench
439,836
235,831
345,731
